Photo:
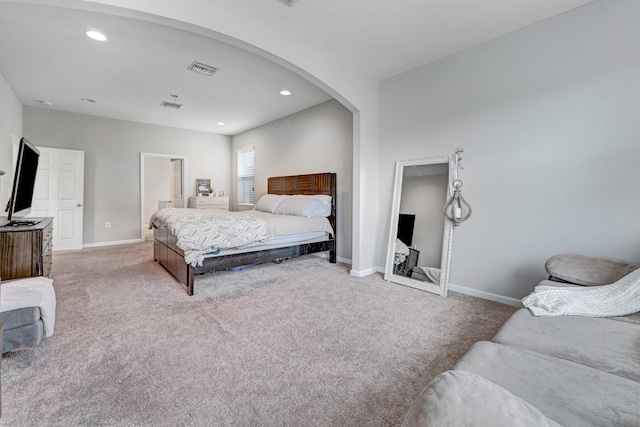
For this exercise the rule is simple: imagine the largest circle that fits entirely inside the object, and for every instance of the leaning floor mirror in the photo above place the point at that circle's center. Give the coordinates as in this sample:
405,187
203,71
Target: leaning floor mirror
420,235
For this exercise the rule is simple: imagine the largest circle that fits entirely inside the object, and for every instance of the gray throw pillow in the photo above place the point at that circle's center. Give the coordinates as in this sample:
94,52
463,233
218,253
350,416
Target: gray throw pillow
587,271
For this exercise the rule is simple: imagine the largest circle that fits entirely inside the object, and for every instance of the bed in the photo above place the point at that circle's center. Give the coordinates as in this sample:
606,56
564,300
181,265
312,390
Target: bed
167,253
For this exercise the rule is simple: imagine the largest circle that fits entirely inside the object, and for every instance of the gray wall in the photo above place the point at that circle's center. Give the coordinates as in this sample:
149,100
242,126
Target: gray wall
112,163
549,120
10,125
319,139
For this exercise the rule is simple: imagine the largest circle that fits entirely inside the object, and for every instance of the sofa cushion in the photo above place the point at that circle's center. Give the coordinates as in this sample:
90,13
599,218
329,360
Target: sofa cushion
461,398
600,343
565,391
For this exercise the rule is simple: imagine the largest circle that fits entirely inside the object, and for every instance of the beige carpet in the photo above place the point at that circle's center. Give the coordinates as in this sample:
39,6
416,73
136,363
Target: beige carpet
302,343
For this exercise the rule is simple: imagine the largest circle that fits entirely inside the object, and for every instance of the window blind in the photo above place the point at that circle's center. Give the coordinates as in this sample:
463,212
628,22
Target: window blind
245,176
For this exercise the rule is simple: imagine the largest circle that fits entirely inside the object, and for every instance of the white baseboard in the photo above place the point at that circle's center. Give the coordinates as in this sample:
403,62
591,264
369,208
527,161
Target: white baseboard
118,242
486,295
363,273
476,293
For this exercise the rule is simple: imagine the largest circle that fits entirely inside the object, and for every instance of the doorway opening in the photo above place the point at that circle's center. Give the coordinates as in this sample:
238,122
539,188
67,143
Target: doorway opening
162,184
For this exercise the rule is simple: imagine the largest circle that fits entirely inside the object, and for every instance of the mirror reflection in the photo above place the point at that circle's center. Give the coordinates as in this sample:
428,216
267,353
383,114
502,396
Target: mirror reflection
420,235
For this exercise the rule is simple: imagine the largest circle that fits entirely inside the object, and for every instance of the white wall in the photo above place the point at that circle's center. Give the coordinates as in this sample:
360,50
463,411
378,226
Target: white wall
10,125
157,183
112,163
548,118
315,140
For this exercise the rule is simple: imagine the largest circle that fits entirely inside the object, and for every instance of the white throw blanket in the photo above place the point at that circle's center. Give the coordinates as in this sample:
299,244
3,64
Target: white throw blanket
31,292
617,299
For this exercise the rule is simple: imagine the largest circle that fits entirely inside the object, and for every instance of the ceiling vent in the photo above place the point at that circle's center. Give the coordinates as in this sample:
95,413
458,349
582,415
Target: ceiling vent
173,105
289,2
201,68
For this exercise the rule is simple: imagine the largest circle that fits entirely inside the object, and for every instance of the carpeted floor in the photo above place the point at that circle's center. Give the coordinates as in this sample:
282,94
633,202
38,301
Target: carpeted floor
302,343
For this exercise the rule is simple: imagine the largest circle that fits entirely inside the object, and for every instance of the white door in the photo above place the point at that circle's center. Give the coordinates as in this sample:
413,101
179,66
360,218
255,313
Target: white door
176,183
59,193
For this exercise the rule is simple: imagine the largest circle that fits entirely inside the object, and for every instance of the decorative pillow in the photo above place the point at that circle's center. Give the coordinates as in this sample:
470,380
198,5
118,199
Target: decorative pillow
269,203
301,206
587,271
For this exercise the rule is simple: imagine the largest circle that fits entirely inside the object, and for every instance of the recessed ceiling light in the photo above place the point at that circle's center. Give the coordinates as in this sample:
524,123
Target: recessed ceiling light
220,123
96,35
285,92
90,101
46,103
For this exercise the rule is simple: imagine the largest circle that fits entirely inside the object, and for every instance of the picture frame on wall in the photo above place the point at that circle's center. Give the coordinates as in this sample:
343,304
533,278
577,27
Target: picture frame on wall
203,185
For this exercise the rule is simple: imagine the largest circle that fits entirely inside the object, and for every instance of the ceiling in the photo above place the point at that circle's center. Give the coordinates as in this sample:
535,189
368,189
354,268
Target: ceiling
45,55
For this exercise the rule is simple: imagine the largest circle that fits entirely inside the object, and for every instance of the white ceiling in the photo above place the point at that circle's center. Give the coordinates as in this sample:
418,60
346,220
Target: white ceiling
44,55
383,38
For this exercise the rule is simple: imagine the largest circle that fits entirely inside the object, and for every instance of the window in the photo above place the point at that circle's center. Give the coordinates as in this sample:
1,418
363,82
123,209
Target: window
245,176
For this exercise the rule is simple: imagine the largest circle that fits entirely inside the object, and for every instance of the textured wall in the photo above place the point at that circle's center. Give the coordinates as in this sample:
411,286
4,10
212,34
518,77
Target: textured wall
548,118
10,125
112,163
315,140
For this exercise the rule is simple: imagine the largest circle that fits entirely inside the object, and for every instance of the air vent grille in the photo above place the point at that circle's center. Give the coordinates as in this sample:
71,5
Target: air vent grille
171,105
289,2
201,68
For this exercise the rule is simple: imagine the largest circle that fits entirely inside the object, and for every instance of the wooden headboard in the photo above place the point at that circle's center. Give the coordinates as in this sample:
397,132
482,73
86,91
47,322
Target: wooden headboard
316,183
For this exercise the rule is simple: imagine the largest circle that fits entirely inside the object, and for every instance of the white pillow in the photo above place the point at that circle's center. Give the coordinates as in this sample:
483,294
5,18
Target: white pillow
301,206
326,201
269,202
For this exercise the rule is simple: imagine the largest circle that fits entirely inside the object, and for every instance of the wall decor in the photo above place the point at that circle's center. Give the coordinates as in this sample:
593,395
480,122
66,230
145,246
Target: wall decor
203,186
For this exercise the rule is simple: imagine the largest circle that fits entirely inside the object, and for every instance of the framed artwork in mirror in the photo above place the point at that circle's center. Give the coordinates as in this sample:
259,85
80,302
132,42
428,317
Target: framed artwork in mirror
420,236
203,186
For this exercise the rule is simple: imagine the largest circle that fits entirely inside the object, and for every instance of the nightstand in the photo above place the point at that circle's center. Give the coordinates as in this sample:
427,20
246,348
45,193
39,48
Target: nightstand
209,202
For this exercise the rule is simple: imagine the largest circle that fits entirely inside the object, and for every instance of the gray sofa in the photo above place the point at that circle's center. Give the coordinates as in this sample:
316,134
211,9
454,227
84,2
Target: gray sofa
541,371
27,312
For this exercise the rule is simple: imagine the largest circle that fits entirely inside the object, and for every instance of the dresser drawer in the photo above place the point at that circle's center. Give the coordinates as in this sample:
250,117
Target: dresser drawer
209,203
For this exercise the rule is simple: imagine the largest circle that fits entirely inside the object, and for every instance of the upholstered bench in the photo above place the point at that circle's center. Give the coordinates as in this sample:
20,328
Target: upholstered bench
27,312
21,328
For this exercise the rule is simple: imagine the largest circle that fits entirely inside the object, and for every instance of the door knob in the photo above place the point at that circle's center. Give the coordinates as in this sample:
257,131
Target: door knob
79,205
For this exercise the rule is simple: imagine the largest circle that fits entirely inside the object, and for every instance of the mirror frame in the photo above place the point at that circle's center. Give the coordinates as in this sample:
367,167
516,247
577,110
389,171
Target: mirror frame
442,286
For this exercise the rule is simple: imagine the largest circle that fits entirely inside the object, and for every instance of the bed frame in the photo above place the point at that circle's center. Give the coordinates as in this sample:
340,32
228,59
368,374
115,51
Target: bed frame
171,257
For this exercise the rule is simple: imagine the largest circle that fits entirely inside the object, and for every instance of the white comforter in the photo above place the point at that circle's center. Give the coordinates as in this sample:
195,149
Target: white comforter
617,299
31,292
201,231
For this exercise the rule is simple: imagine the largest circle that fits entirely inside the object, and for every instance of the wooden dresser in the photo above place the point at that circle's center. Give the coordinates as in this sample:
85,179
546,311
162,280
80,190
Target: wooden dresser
25,250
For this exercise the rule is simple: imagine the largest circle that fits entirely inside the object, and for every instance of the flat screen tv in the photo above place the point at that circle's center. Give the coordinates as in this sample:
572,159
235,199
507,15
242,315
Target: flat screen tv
405,228
23,184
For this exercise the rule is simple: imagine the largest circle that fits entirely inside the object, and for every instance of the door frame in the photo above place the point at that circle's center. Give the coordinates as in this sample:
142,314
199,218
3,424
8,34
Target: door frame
143,157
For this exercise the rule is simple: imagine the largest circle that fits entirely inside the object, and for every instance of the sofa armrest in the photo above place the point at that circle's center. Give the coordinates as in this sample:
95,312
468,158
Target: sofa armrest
462,398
